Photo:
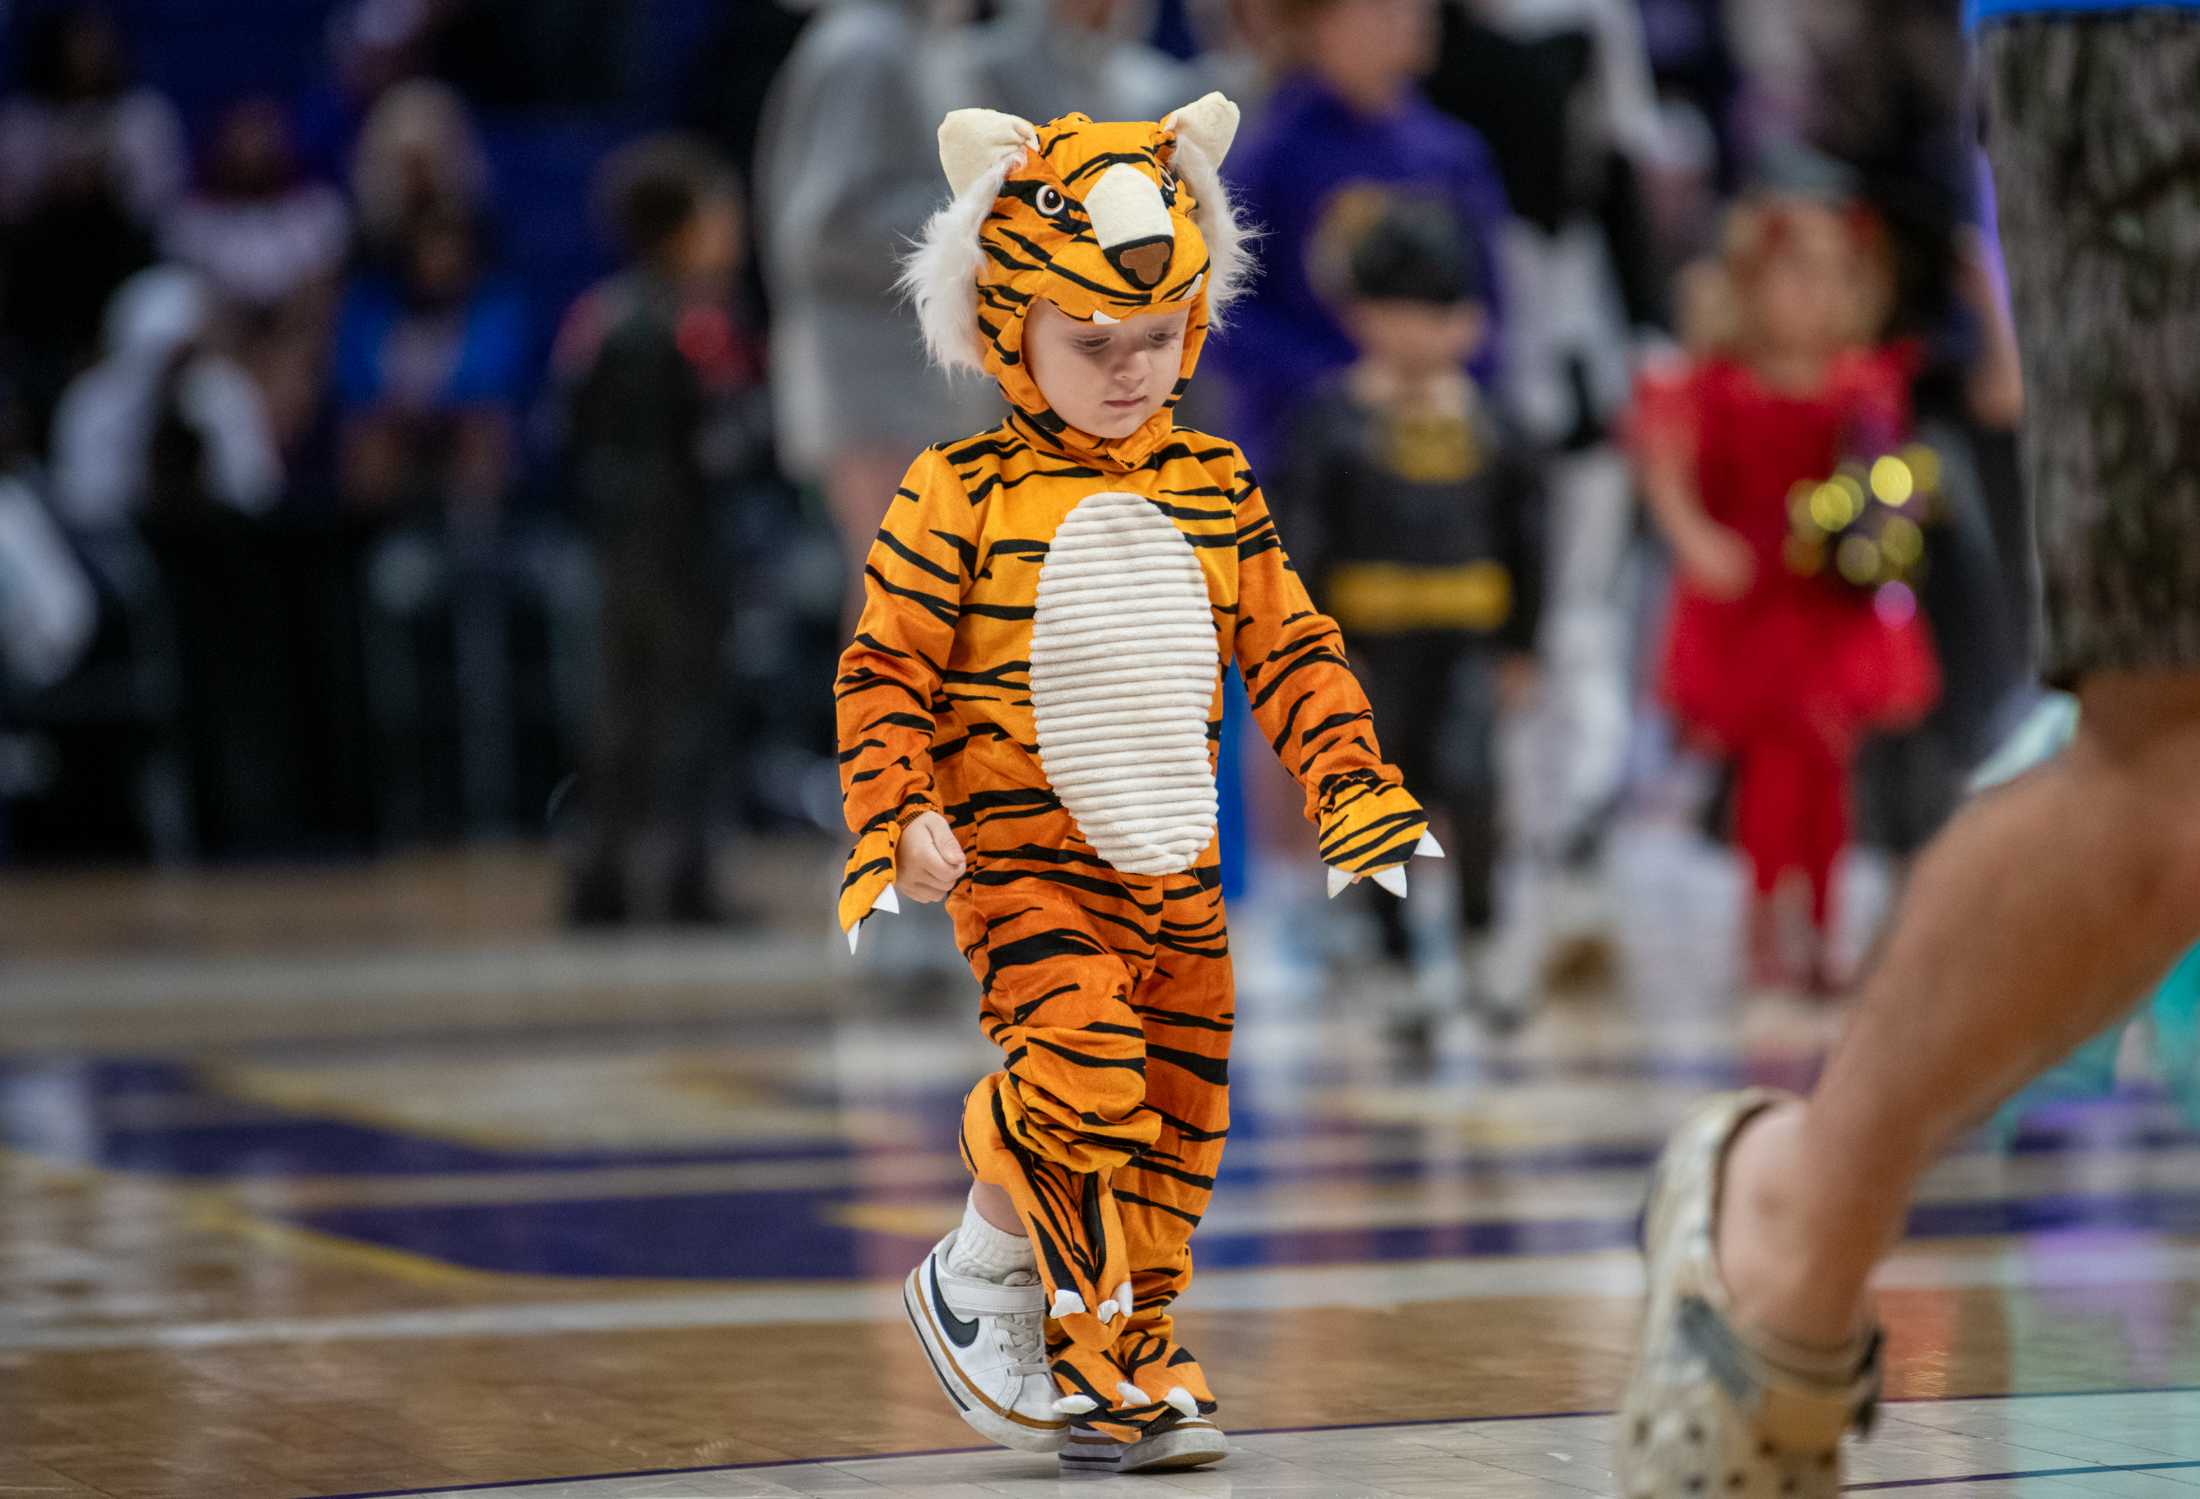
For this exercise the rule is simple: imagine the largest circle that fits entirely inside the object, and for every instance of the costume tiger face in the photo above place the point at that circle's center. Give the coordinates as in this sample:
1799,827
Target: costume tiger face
1105,220
1040,659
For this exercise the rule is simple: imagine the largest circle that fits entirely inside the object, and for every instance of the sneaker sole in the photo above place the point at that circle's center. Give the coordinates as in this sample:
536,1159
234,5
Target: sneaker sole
1188,1444
1003,1428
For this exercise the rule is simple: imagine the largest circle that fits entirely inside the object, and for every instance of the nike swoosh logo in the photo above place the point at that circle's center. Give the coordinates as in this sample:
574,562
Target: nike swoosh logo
959,1332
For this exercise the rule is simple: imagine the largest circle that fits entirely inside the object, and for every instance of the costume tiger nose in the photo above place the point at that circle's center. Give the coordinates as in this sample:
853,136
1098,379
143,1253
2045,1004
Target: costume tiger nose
1131,222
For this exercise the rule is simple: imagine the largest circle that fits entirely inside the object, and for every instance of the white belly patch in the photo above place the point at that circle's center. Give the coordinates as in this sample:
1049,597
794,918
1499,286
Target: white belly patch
1123,671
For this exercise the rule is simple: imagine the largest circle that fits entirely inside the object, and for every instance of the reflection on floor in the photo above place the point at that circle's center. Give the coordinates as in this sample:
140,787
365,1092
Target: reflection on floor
2123,1444
339,1206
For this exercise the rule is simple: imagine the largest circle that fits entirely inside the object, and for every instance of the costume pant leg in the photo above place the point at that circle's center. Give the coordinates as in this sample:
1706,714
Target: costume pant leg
1057,954
1187,1006
621,758
1791,809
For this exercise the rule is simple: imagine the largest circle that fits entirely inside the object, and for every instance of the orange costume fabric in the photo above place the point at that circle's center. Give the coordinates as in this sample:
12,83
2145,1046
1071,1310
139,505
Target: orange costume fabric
1047,620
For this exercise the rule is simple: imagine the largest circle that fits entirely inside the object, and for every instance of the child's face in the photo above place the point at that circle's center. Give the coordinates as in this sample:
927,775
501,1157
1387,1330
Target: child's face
1371,50
1104,378
1416,339
708,249
1804,291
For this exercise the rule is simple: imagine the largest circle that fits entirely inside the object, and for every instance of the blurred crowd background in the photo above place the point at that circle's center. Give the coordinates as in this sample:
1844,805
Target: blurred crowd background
441,420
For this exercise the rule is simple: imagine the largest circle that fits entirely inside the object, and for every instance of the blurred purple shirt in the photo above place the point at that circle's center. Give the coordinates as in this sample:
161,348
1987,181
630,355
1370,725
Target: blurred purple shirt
1308,150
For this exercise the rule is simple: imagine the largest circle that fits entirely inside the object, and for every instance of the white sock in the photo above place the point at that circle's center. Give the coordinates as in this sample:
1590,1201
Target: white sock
984,1252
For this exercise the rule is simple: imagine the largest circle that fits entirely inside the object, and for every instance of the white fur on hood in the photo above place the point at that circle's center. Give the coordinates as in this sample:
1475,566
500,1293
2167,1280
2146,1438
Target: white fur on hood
940,273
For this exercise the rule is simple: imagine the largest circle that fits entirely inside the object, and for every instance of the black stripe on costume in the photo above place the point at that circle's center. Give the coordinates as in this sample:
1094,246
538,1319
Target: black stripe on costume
1214,1070
915,559
1148,1202
1108,159
938,608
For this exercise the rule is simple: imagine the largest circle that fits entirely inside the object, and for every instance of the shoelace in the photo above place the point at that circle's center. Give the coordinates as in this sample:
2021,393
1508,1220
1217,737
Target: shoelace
1024,1333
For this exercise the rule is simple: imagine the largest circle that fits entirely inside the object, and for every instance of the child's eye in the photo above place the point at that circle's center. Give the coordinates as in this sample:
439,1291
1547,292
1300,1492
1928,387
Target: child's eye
1159,340
1091,345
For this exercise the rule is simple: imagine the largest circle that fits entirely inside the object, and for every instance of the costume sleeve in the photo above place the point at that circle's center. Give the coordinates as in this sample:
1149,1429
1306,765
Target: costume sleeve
1311,707
883,698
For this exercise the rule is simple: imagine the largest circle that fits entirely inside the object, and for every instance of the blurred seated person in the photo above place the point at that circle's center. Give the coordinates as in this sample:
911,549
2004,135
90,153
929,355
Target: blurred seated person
272,244
664,409
167,425
431,363
88,164
418,156
74,98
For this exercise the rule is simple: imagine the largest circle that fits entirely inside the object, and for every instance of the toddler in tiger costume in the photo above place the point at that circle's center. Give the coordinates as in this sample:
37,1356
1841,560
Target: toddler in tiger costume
1028,720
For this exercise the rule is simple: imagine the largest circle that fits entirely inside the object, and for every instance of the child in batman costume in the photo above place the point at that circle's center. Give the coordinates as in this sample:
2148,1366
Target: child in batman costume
1028,720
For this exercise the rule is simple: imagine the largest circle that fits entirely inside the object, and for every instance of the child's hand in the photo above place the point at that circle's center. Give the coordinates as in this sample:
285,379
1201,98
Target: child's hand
1717,561
928,860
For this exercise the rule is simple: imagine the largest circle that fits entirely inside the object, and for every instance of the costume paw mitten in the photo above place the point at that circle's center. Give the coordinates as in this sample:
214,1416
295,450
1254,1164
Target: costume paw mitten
868,883
1370,826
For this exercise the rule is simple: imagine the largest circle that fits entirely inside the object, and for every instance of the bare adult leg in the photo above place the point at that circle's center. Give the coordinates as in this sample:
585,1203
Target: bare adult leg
2044,910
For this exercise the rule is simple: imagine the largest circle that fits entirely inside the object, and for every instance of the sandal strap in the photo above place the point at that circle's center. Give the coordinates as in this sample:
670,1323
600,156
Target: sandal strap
1802,1408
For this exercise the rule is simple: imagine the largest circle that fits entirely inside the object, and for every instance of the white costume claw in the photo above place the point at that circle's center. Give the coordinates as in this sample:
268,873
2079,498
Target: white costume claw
1184,1400
852,931
1123,1297
1429,846
1077,1405
1131,1394
1338,879
887,901
1067,1303
1393,879
1106,1314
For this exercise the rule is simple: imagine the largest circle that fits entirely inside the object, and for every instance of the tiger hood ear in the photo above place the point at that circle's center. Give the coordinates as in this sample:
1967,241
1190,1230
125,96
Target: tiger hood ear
978,149
973,141
1204,130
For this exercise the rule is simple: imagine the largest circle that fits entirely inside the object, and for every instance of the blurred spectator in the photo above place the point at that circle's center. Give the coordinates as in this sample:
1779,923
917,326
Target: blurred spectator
272,244
88,164
1560,89
1771,659
660,384
431,364
167,423
847,172
1415,517
75,107
418,157
258,231
1044,58
1343,130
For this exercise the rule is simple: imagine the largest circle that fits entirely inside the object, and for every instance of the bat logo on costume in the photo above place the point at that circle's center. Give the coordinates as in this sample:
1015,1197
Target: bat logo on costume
959,1332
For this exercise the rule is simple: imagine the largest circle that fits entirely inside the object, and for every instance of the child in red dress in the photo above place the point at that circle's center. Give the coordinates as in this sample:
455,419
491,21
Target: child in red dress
1783,672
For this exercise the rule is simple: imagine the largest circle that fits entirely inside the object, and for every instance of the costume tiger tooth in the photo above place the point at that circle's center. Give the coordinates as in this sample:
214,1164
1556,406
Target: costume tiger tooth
1048,617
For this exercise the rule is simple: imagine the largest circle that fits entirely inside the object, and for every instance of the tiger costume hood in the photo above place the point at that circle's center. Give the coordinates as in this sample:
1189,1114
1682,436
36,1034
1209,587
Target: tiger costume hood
1105,220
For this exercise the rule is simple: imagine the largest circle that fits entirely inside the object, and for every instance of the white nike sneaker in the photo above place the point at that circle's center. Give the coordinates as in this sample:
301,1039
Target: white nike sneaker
986,1341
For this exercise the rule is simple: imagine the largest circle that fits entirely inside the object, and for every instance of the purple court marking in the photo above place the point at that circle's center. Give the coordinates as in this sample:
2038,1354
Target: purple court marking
1262,1431
1926,1483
